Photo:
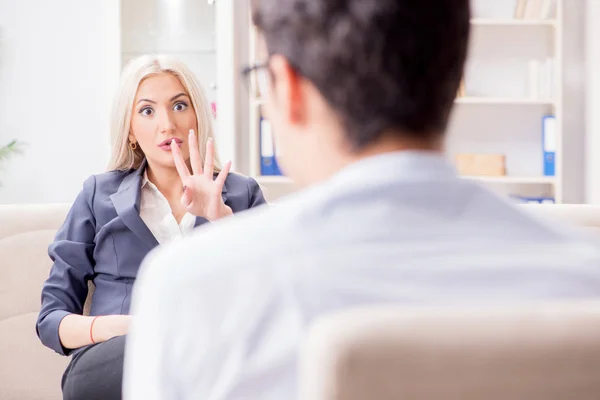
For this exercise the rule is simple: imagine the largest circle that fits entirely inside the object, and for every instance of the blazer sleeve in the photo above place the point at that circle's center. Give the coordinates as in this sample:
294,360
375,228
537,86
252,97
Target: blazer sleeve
65,290
256,195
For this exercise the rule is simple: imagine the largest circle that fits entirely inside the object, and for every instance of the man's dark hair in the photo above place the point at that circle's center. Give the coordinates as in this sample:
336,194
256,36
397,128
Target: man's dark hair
383,65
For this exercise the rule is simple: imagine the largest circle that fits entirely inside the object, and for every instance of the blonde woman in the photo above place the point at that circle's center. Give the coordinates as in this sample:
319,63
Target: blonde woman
165,179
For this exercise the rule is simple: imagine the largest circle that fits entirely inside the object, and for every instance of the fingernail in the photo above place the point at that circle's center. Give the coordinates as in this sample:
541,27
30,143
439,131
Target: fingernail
191,131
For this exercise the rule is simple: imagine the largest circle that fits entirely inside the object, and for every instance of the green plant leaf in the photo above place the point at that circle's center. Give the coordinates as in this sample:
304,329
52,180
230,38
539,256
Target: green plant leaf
9,150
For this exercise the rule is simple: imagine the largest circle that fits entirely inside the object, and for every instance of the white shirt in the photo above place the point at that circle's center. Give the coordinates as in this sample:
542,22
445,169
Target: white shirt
222,314
156,213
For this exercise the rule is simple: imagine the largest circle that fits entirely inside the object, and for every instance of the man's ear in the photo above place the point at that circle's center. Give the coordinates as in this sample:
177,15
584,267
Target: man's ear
287,88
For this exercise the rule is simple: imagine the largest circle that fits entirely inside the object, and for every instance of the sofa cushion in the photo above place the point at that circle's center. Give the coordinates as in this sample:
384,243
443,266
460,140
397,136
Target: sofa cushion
25,266
28,371
19,218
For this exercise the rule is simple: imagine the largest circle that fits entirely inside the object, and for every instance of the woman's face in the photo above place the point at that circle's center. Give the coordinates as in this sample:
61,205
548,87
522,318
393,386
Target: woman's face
162,111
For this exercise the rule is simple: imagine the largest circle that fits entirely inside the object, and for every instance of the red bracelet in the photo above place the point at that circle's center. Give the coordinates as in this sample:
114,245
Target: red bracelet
91,329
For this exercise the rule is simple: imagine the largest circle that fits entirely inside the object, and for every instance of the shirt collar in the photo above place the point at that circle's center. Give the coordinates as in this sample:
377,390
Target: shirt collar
405,165
146,182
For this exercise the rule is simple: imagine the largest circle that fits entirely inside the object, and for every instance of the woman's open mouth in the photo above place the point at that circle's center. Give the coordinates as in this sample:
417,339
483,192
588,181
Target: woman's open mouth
166,144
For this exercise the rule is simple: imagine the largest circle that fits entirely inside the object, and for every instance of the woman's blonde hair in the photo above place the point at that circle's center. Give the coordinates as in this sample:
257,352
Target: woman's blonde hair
138,69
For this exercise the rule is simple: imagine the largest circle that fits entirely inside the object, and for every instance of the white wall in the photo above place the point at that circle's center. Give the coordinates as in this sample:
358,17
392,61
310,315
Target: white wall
59,66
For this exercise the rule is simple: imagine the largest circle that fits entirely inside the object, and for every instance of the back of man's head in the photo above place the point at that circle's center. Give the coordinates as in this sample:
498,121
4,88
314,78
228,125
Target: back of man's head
382,66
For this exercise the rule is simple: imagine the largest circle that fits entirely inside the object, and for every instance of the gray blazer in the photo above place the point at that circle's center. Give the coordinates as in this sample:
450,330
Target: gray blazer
104,240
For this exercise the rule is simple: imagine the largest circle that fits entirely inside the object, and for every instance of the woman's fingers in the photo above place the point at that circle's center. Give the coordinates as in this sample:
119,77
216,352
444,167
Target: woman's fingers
187,197
220,181
209,161
195,159
182,169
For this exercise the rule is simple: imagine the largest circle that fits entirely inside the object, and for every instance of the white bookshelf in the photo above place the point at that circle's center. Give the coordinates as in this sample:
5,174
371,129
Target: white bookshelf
498,115
501,114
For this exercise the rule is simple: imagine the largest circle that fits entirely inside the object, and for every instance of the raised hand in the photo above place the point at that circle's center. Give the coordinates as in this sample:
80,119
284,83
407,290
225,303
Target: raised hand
201,193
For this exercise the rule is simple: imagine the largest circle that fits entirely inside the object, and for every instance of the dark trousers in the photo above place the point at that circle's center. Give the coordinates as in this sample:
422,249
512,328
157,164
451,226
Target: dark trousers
96,372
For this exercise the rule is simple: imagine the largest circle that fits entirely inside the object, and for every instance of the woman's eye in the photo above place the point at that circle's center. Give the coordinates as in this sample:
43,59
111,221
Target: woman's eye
146,111
180,106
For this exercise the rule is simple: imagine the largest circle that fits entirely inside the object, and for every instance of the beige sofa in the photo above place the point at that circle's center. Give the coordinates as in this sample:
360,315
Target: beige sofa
27,369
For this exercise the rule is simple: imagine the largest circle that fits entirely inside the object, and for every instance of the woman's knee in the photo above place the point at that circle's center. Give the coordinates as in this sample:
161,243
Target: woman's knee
97,373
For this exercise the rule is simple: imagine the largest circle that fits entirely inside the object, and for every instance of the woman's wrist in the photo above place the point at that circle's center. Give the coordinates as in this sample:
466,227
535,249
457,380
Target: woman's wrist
109,326
92,339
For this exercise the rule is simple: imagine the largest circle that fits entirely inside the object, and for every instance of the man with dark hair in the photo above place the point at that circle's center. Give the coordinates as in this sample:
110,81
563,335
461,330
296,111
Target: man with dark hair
359,93
388,72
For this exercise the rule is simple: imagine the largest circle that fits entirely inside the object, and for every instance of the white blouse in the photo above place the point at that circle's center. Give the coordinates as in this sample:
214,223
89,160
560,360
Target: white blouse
156,213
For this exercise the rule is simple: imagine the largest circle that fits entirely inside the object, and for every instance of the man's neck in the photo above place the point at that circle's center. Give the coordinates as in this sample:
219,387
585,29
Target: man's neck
390,144
336,159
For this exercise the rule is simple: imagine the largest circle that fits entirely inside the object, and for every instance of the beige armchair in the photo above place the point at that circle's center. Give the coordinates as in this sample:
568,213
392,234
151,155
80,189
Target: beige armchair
540,352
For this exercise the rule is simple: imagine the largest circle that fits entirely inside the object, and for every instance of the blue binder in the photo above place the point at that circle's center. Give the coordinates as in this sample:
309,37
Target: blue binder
549,144
533,200
268,159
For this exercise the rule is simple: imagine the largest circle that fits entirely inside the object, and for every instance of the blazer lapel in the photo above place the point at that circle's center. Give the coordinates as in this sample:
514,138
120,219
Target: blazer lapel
202,220
127,204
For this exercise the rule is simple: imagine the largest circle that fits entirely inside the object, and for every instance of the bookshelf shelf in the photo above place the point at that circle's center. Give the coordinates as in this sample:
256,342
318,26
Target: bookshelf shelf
513,22
503,101
273,180
176,53
521,180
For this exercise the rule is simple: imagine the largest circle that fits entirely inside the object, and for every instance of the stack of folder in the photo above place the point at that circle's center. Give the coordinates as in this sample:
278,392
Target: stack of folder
268,152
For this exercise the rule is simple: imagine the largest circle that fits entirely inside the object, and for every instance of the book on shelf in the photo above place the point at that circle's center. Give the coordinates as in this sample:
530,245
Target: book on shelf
535,9
268,152
541,79
533,200
549,144
468,164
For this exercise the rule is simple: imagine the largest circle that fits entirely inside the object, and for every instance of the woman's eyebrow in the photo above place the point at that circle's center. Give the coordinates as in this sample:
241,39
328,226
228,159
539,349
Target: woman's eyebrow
178,96
172,98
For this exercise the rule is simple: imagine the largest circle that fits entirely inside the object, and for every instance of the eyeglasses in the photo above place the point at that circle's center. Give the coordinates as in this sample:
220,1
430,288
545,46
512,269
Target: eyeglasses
257,77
